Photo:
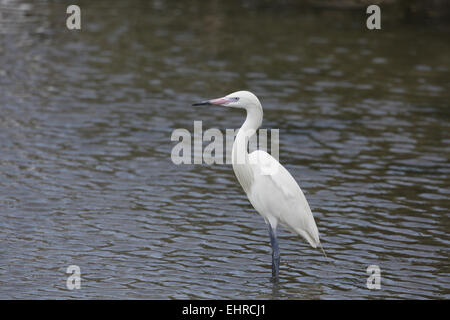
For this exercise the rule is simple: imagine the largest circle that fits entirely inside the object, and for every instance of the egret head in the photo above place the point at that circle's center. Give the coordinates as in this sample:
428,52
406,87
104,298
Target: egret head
238,99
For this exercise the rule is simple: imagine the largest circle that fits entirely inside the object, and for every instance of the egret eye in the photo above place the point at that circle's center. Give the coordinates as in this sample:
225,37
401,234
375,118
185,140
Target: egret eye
234,99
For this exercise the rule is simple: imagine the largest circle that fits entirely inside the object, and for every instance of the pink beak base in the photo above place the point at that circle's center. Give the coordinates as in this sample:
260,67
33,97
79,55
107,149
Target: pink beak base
219,101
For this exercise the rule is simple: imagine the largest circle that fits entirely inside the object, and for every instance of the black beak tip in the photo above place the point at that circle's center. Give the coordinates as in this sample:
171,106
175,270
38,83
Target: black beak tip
203,103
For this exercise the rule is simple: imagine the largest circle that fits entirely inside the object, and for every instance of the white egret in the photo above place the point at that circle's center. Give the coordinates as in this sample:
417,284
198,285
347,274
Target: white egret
271,189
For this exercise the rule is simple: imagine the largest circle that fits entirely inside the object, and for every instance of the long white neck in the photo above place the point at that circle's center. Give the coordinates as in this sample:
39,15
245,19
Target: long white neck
239,154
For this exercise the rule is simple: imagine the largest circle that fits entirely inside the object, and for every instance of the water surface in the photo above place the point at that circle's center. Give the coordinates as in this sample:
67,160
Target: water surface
86,176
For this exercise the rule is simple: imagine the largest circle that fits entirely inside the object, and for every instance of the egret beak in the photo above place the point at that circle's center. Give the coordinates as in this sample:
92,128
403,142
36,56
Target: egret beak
203,103
217,102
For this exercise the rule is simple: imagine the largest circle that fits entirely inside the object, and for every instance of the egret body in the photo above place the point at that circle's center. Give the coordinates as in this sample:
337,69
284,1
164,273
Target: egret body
271,189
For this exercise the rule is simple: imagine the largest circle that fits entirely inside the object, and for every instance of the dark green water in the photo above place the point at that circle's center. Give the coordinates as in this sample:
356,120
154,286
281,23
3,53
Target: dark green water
86,176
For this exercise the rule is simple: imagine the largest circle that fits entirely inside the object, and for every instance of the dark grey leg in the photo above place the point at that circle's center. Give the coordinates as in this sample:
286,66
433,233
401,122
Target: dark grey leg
275,252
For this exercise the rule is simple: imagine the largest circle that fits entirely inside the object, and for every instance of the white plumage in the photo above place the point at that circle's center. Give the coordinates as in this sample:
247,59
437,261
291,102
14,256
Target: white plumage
279,199
271,189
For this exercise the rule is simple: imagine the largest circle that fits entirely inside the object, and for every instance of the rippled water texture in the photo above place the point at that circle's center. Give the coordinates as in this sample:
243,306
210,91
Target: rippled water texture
86,175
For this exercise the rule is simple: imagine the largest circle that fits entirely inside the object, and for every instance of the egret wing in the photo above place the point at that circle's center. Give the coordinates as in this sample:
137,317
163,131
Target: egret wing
277,197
